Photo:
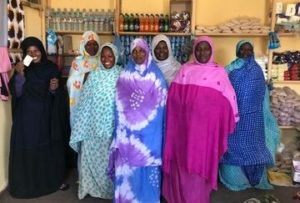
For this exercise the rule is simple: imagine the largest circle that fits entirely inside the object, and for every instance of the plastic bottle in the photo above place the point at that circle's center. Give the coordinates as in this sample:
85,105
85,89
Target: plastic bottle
147,23
137,23
151,23
121,22
126,22
166,24
161,23
156,23
80,21
142,23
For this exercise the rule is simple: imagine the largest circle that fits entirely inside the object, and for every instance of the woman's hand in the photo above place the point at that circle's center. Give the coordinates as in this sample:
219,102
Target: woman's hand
53,84
20,68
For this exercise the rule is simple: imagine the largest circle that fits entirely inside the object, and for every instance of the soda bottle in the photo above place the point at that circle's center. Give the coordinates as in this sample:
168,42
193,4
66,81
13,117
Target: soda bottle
136,23
142,23
161,23
121,22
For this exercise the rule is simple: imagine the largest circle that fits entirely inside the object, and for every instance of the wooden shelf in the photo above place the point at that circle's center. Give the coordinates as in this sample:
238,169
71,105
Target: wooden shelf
287,127
156,33
32,5
287,34
296,82
180,1
80,32
231,34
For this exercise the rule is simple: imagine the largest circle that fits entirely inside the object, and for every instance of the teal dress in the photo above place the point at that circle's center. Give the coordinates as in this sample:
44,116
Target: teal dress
92,130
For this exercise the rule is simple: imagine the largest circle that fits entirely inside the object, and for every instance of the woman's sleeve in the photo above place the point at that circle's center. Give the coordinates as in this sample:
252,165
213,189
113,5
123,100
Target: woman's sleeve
19,82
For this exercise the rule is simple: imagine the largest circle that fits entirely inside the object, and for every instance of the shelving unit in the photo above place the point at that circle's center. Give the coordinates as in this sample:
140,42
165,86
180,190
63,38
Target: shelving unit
231,34
155,33
30,4
188,4
80,33
281,35
287,127
287,82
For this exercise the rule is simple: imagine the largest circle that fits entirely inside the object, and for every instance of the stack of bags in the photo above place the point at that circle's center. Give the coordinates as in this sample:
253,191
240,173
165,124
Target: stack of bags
294,72
237,25
280,72
285,105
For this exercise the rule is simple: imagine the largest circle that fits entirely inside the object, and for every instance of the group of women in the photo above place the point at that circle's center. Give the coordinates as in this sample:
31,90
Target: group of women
152,120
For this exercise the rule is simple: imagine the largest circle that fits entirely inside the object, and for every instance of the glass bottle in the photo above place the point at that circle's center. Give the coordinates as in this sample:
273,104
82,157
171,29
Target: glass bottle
121,22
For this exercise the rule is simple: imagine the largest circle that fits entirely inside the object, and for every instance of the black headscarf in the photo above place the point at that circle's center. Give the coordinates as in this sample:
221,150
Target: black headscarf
33,41
38,75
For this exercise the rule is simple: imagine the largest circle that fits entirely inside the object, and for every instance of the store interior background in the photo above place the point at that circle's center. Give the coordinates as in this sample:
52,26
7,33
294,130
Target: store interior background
206,13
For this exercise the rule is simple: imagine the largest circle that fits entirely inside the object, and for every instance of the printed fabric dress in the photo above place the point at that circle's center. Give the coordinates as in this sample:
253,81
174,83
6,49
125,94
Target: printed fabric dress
80,66
135,158
92,130
252,146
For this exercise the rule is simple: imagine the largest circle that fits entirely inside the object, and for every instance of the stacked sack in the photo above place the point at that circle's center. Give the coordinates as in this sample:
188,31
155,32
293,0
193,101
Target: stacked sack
285,105
286,66
236,25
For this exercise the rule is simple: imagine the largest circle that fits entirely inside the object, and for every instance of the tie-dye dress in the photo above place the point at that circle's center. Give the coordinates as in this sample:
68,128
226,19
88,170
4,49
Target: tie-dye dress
135,158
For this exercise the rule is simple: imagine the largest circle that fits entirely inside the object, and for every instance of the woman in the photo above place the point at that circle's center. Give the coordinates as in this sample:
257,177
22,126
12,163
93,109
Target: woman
135,157
163,56
201,113
252,146
93,125
36,162
88,60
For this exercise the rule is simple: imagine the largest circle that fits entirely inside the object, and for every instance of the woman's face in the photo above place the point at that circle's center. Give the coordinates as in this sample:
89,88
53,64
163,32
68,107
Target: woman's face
161,51
245,51
139,55
35,53
91,47
107,57
203,52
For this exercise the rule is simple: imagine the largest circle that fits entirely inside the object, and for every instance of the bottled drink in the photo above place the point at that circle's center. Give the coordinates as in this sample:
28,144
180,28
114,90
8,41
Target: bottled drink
161,23
142,23
80,21
166,24
156,23
151,23
137,23
126,22
131,22
121,22
147,23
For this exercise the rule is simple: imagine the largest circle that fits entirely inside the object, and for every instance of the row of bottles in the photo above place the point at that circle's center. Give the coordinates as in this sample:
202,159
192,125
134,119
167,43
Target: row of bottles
80,20
177,44
144,22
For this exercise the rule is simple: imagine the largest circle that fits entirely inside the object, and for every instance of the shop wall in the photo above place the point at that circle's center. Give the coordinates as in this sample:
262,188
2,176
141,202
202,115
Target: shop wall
5,124
218,11
34,23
